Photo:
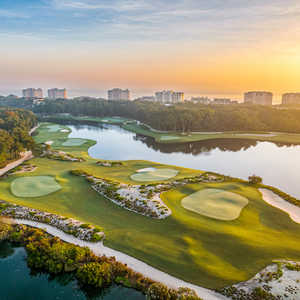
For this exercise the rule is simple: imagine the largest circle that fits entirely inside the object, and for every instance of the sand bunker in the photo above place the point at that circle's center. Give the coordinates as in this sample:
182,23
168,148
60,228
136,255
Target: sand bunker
34,186
53,128
215,203
49,143
74,142
65,130
276,201
257,134
154,175
146,170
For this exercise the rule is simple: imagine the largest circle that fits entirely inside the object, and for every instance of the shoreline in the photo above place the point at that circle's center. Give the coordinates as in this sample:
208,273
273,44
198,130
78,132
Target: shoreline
138,266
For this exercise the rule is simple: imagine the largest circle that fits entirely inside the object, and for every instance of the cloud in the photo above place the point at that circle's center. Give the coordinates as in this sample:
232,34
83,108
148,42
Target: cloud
12,14
122,5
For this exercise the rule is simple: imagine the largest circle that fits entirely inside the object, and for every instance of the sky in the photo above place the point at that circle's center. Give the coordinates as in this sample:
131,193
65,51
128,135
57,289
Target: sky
201,47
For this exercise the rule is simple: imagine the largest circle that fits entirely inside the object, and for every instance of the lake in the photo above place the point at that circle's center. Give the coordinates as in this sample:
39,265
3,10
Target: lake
279,165
19,283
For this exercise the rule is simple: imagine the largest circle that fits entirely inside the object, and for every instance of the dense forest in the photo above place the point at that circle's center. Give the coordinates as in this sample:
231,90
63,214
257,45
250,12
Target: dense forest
15,125
182,117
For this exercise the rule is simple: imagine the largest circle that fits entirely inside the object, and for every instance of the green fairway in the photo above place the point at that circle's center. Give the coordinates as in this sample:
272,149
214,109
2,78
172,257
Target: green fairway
54,128
214,203
74,142
154,175
191,246
34,186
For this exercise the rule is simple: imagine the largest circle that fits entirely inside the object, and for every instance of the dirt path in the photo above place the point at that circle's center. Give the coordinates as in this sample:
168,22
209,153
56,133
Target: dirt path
24,156
133,263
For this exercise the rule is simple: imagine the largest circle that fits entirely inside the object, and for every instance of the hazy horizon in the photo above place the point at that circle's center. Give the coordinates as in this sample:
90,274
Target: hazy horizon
203,48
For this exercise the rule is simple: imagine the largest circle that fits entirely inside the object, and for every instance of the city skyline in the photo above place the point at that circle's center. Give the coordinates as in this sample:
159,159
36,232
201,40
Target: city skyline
204,48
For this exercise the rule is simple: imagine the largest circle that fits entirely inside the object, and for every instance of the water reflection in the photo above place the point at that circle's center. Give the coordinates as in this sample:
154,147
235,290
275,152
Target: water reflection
19,282
278,164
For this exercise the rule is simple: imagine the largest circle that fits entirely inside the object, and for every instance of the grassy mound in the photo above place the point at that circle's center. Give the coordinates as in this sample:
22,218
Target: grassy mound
54,128
34,186
154,175
74,142
215,203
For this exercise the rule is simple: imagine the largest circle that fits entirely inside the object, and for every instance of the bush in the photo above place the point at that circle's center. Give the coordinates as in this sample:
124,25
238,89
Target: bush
255,179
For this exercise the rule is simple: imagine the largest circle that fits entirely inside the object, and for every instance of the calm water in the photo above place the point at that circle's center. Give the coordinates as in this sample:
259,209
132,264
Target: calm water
17,283
279,165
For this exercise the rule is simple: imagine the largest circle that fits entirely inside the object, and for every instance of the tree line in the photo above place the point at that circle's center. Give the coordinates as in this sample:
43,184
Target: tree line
183,117
15,125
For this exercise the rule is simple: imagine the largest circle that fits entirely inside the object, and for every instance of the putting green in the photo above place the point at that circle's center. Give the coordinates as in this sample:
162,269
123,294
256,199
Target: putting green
74,142
53,128
34,186
154,175
215,203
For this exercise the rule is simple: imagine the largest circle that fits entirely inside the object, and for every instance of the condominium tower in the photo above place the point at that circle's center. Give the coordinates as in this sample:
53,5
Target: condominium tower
169,97
118,94
57,94
263,98
31,93
291,98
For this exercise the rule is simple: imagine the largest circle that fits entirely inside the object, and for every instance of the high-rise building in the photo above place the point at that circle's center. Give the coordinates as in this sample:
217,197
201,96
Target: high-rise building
263,98
169,97
291,98
32,93
57,94
118,94
201,100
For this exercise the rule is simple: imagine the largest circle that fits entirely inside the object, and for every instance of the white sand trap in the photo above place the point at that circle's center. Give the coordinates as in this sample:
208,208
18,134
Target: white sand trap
276,201
146,170
53,128
49,143
156,175
133,263
74,142
169,138
216,204
65,130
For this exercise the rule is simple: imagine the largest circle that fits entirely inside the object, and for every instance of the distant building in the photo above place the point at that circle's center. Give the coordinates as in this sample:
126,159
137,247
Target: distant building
146,98
291,98
222,101
57,94
32,93
118,94
169,97
201,100
262,98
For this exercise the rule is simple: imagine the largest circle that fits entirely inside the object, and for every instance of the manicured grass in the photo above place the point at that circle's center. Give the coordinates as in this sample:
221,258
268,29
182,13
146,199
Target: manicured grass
34,186
154,175
175,137
215,203
54,128
209,252
74,142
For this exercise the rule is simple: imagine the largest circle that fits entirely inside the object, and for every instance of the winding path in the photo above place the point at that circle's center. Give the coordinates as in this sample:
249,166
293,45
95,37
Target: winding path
133,263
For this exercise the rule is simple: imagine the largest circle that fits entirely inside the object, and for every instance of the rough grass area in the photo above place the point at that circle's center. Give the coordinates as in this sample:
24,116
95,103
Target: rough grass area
74,142
154,175
34,186
215,203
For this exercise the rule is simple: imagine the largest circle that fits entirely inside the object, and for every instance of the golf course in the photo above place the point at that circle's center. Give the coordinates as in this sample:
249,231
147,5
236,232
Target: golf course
219,233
